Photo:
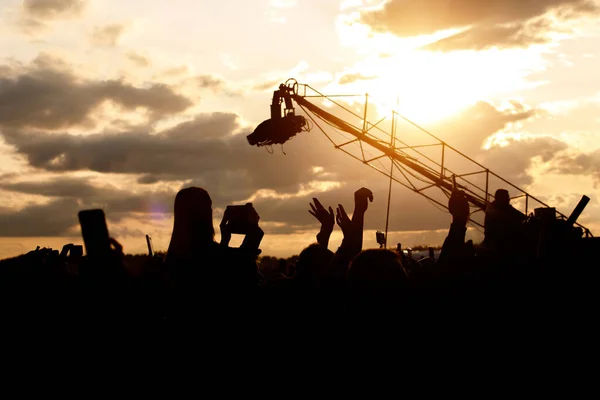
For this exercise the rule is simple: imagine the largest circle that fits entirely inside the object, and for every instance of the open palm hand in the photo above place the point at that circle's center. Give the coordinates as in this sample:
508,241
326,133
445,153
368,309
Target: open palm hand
325,217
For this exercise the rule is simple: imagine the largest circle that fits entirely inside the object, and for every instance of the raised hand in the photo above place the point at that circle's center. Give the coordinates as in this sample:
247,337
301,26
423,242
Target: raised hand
225,231
360,200
116,248
326,218
343,221
458,205
253,216
254,235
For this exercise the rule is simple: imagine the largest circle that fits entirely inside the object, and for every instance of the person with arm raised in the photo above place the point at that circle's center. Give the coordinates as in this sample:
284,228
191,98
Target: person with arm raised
353,237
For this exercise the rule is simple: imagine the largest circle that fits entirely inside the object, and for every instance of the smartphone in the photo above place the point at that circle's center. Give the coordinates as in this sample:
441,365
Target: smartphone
76,251
150,248
238,218
95,233
380,237
65,250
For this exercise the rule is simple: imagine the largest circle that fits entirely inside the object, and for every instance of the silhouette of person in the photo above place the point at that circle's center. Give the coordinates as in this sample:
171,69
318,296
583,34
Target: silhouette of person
194,258
502,222
327,220
193,229
377,269
335,274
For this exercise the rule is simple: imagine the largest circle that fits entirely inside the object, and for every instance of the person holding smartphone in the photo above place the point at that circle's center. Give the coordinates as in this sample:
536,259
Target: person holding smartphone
104,260
194,258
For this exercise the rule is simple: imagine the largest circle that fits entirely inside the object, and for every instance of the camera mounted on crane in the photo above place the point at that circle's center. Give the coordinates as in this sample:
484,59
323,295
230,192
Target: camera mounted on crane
279,129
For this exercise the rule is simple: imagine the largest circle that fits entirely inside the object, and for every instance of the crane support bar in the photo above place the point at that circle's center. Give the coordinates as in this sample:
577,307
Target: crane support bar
388,151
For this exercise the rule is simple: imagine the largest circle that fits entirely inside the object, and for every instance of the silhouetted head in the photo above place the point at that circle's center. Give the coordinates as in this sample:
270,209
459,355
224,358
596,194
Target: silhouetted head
193,225
502,198
312,262
377,269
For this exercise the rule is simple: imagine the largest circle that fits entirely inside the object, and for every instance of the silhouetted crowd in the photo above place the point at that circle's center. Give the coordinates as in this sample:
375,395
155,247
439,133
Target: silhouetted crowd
520,254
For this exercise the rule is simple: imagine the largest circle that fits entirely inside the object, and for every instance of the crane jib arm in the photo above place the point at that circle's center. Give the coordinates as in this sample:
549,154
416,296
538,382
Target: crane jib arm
388,151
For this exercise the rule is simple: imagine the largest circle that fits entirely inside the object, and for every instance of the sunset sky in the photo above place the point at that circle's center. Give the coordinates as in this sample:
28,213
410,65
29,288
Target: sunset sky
119,104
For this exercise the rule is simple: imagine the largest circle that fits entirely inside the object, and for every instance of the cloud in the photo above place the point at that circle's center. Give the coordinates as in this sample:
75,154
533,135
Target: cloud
228,182
205,152
513,160
484,37
46,95
468,130
214,83
107,35
53,219
173,71
409,211
209,81
211,151
267,85
502,23
204,149
67,196
90,195
587,164
37,13
138,59
48,9
350,78
182,76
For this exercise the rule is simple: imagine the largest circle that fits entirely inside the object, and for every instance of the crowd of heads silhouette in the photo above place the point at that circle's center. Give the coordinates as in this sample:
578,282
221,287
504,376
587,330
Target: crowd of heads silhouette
196,263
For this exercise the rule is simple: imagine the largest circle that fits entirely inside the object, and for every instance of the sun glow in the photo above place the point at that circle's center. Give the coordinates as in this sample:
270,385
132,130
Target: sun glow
429,86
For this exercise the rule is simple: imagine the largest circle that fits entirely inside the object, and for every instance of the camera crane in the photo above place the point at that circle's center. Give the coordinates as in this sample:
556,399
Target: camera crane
423,167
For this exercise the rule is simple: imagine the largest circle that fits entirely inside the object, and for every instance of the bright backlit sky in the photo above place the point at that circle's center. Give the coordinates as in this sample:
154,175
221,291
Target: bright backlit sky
119,104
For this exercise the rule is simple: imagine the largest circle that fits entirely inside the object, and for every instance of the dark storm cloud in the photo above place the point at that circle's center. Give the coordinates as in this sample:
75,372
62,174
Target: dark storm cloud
107,35
47,95
503,23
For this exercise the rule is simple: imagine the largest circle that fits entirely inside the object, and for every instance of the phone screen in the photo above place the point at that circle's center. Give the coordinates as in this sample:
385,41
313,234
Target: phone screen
94,232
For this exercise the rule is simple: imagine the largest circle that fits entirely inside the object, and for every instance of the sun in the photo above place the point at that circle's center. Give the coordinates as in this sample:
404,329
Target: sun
427,86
